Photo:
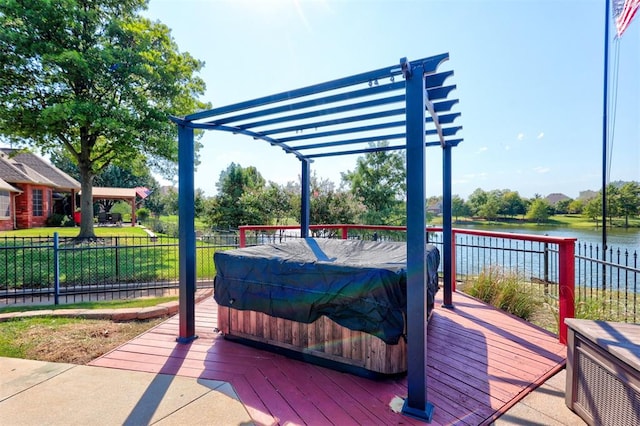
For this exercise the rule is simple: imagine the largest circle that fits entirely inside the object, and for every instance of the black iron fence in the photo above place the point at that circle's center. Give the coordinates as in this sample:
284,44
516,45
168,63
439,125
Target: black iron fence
47,270
36,270
608,290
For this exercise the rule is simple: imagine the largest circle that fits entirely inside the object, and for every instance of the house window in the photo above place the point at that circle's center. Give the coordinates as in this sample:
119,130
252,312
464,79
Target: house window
5,204
37,203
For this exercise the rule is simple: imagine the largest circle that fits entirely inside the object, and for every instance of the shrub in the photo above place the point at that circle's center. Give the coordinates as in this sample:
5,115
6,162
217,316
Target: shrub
504,291
142,214
58,219
485,286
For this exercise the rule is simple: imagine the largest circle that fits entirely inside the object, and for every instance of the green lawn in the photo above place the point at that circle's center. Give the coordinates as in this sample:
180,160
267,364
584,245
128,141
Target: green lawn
100,231
122,255
173,220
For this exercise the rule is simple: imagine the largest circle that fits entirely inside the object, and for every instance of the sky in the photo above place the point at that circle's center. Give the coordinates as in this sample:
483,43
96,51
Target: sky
529,77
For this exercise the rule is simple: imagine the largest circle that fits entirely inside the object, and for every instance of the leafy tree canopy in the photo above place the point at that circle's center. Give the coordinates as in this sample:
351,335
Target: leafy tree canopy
96,78
539,210
239,200
379,181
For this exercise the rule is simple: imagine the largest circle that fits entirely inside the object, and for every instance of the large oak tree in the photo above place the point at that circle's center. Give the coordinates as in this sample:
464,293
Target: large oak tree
96,78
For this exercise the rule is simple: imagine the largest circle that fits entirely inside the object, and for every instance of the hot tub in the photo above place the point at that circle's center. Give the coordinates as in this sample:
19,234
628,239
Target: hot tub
338,303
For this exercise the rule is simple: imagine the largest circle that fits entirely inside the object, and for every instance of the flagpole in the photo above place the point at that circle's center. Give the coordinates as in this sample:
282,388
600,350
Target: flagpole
605,135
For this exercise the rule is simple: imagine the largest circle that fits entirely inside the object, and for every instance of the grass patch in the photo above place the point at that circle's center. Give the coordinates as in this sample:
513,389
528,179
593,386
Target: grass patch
69,340
609,305
526,300
142,302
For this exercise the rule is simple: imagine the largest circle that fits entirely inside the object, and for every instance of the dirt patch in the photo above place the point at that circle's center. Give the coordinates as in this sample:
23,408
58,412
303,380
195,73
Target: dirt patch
81,341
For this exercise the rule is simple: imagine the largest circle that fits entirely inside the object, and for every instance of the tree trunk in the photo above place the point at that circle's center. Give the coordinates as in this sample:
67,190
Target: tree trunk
86,206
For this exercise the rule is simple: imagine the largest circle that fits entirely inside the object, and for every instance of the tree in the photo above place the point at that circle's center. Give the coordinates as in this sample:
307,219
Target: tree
199,203
379,180
539,210
562,206
166,203
459,207
593,209
277,202
95,78
328,205
238,201
512,204
613,204
575,207
629,201
476,200
489,210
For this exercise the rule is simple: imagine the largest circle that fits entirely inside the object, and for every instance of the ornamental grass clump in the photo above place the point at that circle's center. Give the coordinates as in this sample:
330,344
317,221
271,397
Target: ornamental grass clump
505,291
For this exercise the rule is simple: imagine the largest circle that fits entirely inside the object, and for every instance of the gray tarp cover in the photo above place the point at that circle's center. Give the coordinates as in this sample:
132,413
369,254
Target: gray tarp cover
360,285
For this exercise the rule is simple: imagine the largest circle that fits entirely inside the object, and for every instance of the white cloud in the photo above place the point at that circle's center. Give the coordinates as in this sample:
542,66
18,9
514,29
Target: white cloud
483,149
541,169
507,147
520,136
475,176
541,135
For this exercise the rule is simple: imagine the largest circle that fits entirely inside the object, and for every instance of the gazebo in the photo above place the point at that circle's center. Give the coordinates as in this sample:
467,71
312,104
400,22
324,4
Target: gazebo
405,104
121,194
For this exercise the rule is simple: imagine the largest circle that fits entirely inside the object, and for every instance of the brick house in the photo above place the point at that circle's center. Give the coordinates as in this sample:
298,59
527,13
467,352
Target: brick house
31,190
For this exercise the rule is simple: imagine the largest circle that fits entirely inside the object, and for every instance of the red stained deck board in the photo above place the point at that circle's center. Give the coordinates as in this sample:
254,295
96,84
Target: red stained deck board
252,402
506,330
350,405
504,366
309,382
480,360
283,385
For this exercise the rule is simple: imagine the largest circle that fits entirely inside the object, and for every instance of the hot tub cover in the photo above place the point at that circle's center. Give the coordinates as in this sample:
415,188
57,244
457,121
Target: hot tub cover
360,285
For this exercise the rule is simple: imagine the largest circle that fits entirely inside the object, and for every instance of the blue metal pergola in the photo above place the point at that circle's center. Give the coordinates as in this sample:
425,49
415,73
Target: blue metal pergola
406,105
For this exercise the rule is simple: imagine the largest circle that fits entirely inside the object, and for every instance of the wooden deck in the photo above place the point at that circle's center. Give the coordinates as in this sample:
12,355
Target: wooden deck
481,361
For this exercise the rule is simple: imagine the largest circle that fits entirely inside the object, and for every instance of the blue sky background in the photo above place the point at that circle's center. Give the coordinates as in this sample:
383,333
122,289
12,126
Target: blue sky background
529,75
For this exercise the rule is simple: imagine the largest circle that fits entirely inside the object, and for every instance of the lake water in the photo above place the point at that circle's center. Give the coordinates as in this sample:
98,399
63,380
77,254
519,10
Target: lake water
623,239
621,273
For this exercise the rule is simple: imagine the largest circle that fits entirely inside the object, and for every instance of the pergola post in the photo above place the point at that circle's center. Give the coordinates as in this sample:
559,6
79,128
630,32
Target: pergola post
187,234
416,404
447,229
305,198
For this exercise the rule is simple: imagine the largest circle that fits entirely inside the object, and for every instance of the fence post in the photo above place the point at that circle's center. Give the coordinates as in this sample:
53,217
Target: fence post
243,237
56,269
566,286
546,269
345,232
117,262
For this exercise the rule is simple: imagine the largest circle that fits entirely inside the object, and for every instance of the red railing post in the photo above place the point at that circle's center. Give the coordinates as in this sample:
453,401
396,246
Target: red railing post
345,231
243,236
566,286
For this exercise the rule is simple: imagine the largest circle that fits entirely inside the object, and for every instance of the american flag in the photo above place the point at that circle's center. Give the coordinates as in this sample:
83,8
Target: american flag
623,12
143,192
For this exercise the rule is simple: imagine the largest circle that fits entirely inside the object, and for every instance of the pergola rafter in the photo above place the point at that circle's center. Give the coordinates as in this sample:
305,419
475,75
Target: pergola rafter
407,101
